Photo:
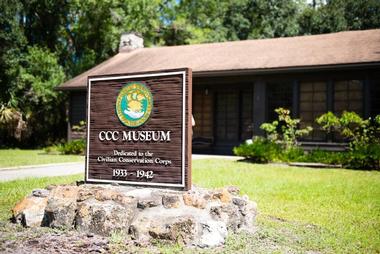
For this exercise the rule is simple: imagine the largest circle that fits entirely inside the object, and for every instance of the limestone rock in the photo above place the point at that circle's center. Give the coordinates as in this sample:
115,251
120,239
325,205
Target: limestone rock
233,190
193,199
61,207
223,195
42,193
191,226
200,217
104,217
142,204
30,211
100,193
170,201
240,202
229,214
249,212
174,229
212,233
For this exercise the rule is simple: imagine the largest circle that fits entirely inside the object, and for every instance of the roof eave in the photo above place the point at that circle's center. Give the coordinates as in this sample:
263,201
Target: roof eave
279,70
71,88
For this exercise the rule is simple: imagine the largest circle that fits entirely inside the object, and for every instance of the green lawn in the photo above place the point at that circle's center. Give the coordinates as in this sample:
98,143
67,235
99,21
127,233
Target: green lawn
321,210
330,210
18,157
13,191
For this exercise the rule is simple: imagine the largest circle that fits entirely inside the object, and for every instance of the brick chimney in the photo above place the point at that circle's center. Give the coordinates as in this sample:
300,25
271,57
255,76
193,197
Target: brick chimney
130,41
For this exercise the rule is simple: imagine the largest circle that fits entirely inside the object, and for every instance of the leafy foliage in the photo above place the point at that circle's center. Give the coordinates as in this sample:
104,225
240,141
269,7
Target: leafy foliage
72,147
81,127
350,125
281,141
285,130
11,122
363,135
260,150
43,43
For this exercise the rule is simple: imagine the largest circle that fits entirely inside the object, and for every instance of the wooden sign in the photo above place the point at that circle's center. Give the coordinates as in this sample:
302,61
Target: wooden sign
139,129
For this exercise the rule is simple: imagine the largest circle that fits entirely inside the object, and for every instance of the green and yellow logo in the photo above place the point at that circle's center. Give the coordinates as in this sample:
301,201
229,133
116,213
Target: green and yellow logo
134,104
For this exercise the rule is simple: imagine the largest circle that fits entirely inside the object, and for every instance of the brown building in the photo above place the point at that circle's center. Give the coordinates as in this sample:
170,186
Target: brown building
237,85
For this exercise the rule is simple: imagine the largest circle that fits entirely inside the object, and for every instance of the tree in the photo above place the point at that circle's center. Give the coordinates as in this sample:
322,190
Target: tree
12,43
191,21
37,108
340,15
93,29
44,41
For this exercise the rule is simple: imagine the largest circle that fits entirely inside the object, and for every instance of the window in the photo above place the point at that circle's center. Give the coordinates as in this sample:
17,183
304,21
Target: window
77,107
312,104
279,95
348,96
202,113
227,115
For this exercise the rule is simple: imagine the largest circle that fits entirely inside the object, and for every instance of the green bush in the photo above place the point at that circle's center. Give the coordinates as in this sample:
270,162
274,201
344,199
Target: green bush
73,147
297,154
260,150
53,149
285,130
281,143
363,135
363,157
292,154
326,157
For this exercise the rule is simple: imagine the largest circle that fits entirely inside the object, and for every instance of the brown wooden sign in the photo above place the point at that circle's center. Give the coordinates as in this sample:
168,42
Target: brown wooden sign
139,129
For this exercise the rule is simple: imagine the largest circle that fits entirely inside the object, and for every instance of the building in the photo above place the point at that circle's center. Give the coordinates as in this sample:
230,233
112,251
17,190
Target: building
237,85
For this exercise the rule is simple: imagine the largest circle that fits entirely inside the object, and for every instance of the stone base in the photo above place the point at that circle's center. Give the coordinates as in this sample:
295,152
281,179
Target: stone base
199,217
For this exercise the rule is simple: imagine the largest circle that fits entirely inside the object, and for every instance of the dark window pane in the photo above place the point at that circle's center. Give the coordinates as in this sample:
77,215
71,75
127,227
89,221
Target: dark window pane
348,96
202,113
227,116
77,107
279,94
312,105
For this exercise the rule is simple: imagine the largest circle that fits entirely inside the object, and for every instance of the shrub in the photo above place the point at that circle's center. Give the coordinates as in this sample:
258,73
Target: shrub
364,157
73,147
363,135
280,142
327,157
260,150
53,149
292,154
285,130
81,127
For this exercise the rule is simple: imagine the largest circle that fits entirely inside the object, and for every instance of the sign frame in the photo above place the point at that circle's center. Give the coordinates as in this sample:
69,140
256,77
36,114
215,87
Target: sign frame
186,128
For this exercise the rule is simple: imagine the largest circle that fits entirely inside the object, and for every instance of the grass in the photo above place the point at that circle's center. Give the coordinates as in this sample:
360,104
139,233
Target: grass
343,206
18,157
300,209
13,191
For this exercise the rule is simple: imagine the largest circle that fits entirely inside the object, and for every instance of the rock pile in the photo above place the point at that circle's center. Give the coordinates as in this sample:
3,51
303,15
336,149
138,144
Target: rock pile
199,217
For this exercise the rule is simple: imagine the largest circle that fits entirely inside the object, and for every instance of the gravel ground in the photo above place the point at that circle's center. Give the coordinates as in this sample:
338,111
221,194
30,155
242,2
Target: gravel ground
16,239
44,240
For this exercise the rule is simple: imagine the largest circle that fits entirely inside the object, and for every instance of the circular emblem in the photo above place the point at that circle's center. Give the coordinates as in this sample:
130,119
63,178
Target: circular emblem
134,104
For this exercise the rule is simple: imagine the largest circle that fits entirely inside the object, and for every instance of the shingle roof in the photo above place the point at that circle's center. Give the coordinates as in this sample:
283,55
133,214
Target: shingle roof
354,47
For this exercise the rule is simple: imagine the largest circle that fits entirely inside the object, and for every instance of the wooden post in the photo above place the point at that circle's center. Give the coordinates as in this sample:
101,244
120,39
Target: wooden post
259,106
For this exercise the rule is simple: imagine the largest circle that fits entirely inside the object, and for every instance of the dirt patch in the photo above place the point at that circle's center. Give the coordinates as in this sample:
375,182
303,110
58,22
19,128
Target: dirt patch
16,239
